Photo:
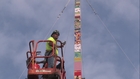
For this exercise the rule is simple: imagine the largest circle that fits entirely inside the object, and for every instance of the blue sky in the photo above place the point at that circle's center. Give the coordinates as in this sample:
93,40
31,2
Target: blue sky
25,20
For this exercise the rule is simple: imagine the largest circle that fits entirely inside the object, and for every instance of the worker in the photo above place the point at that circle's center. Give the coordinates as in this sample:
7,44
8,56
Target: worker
53,38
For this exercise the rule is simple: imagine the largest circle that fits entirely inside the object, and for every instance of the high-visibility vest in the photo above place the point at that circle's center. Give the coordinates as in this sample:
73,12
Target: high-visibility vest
48,47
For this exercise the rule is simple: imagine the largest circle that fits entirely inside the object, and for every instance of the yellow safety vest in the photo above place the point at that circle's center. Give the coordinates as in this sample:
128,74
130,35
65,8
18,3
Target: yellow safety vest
48,47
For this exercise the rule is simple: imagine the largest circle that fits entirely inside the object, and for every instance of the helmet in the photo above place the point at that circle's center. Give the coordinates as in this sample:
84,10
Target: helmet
55,32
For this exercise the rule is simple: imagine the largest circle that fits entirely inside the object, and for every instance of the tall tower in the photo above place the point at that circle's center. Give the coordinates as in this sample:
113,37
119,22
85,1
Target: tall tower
77,42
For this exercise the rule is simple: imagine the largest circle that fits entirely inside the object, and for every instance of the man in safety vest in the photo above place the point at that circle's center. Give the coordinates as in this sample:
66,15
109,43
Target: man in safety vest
53,38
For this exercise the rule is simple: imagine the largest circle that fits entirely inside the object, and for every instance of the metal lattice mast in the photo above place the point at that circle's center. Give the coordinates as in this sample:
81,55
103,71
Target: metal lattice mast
77,42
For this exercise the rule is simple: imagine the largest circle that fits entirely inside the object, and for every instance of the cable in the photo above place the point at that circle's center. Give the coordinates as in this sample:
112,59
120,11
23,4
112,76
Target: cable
21,74
91,7
58,17
112,36
25,69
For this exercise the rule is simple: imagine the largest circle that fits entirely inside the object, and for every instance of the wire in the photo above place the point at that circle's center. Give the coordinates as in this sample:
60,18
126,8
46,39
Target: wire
25,69
112,36
21,74
91,7
58,17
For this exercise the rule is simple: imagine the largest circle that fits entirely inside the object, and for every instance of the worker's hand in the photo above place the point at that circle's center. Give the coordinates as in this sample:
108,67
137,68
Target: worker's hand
63,43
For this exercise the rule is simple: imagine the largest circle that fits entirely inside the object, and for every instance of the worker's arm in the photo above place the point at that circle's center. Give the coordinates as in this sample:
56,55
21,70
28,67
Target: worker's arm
58,46
50,43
